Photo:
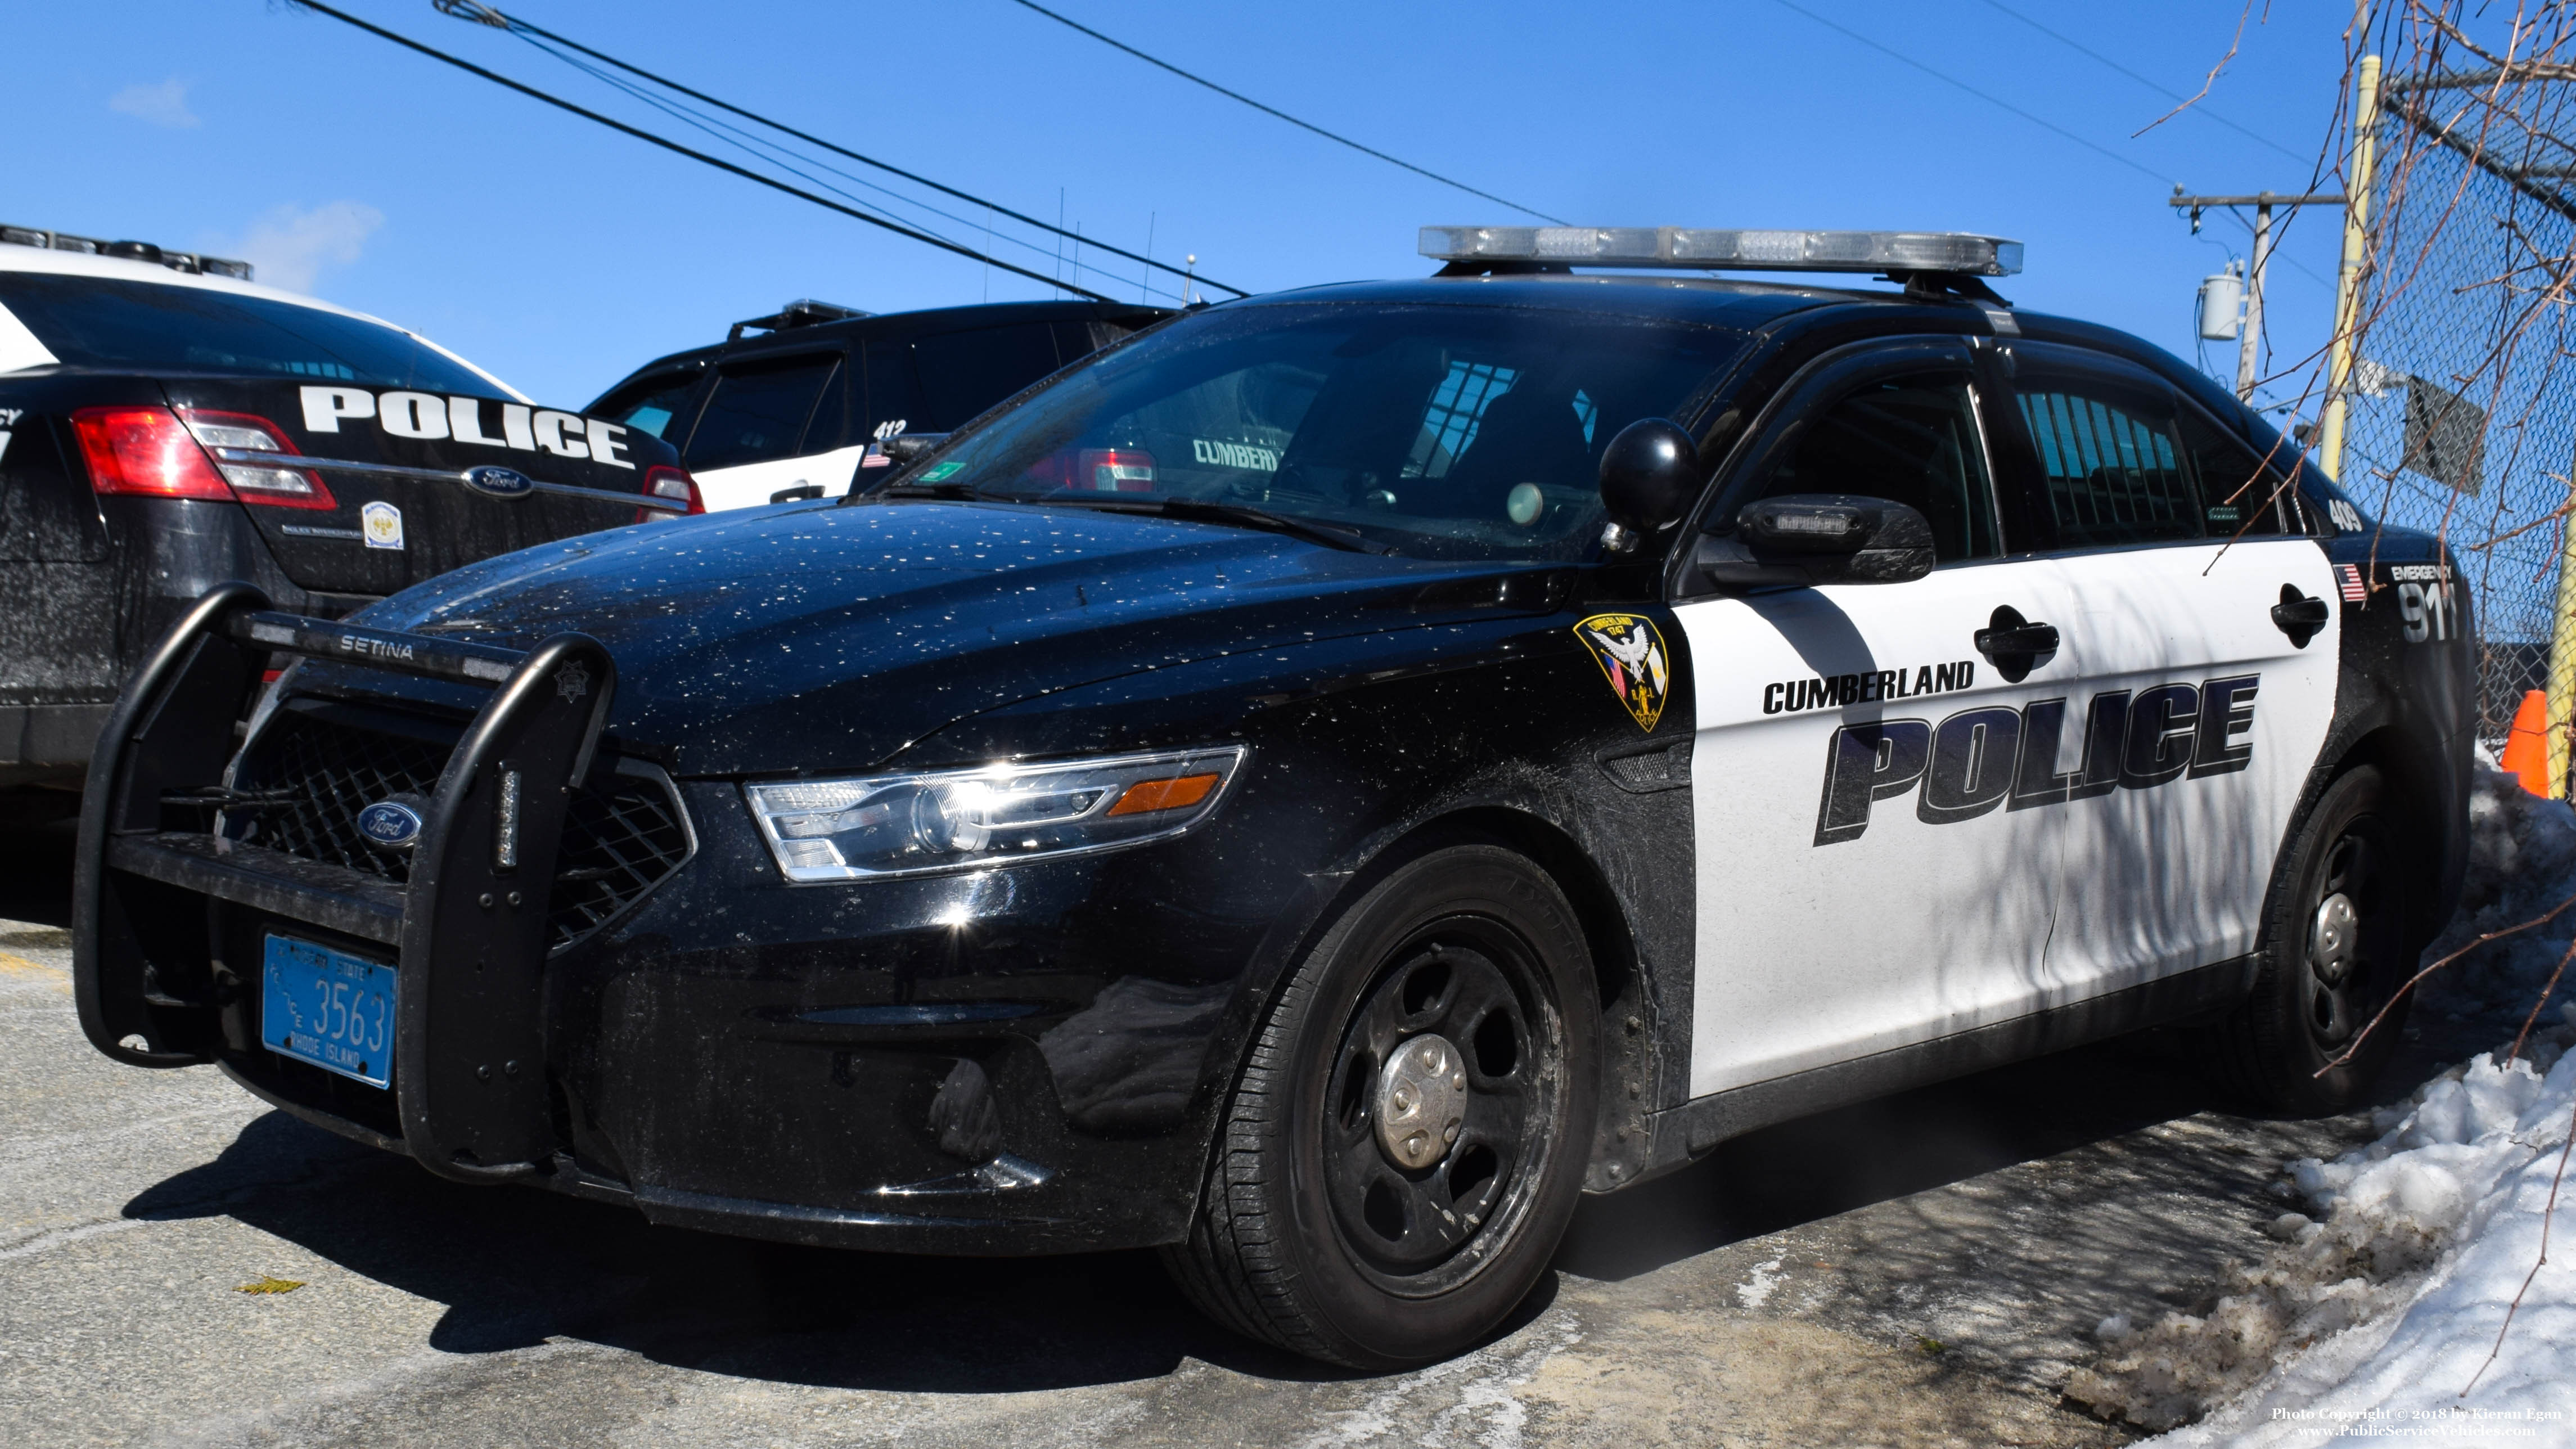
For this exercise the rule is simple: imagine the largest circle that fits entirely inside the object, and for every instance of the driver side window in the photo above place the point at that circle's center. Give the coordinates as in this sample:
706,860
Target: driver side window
1908,439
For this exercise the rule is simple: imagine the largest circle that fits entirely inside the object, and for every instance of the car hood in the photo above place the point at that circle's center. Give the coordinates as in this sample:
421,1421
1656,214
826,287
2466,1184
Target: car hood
815,637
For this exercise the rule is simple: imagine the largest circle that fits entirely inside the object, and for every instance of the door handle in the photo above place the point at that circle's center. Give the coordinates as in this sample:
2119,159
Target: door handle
2013,644
2017,639
2299,616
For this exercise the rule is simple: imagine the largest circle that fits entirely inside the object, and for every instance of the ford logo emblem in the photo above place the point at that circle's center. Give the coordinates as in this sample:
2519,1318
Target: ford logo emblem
499,482
390,825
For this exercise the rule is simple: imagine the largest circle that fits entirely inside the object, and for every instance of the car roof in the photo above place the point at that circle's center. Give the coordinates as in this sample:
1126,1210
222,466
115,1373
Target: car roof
1755,305
1711,300
927,319
15,258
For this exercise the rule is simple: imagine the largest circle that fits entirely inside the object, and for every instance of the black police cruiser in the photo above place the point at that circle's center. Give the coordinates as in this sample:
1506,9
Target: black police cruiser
1327,782
166,425
792,404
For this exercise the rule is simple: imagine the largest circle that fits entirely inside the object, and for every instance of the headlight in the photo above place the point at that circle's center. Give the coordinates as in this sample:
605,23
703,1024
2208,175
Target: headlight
886,825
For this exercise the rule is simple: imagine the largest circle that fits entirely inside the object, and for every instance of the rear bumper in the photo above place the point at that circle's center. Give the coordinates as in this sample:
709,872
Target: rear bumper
95,619
47,743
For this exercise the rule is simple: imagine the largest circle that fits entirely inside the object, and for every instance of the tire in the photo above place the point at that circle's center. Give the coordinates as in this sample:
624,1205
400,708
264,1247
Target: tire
1320,1227
2319,981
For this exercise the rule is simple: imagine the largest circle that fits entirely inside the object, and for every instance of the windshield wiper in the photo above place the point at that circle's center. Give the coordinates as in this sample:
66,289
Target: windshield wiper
962,491
1200,510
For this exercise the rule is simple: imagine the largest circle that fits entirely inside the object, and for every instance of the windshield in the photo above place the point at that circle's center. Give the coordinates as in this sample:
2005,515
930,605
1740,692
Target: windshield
146,327
1439,431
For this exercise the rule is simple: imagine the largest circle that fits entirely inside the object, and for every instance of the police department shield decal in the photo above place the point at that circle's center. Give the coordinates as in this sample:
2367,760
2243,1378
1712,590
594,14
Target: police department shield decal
1630,650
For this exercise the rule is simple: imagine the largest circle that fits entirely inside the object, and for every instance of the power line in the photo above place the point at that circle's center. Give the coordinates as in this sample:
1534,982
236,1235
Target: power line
481,14
666,144
769,152
1946,79
1231,95
2078,46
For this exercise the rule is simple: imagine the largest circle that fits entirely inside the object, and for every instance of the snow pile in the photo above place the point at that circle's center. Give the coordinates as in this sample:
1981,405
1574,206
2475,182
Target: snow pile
2449,1163
2420,1239
2436,1224
2522,864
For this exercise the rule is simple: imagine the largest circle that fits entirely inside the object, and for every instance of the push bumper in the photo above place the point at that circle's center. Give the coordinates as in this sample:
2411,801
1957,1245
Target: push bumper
154,967
664,1064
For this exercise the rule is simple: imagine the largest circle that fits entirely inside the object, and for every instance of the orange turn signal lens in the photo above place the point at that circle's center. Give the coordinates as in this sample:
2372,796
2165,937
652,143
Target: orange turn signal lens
1149,795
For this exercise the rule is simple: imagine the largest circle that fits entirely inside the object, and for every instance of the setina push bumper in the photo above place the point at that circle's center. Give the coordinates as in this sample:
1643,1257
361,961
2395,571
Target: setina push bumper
192,944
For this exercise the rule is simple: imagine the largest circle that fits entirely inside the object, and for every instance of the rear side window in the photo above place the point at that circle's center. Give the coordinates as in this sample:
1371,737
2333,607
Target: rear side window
893,403
2239,496
117,325
1911,440
758,411
2111,462
649,404
963,373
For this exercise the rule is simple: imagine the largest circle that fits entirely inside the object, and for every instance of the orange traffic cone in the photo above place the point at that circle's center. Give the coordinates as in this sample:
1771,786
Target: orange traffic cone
2526,749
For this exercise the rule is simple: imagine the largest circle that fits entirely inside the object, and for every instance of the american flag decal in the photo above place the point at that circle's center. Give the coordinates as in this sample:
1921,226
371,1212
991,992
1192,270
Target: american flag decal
2353,591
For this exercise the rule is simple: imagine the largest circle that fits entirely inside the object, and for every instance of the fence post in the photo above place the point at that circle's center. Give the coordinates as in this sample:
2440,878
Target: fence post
2562,660
2356,253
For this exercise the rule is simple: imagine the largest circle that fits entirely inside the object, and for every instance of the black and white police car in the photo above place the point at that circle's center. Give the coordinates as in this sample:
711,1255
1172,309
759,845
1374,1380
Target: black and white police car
1539,721
792,405
166,425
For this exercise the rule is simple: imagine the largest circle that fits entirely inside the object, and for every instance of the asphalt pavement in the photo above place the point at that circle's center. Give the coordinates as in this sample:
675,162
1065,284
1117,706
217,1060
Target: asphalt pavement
1918,1271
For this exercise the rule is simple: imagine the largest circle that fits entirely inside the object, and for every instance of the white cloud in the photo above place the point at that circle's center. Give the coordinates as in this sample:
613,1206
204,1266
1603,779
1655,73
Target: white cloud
289,246
163,105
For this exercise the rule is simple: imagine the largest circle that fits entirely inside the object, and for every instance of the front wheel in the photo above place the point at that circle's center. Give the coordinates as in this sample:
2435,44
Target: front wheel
1403,1148
2332,955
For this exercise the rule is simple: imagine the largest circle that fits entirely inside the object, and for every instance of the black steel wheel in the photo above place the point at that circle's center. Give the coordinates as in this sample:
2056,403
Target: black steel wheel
1403,1150
2333,953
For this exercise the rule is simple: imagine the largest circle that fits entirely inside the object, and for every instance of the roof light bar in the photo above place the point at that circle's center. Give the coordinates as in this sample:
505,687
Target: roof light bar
803,312
60,241
1697,249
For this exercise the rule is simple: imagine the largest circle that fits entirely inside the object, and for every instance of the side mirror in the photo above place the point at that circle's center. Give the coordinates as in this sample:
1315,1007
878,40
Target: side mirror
1649,478
1819,538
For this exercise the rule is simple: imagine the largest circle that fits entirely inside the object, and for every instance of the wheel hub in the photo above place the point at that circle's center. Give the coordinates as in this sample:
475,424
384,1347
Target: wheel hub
1421,1100
2333,938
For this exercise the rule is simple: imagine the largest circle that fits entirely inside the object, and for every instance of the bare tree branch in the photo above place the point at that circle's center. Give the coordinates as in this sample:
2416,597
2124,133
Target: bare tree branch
2212,78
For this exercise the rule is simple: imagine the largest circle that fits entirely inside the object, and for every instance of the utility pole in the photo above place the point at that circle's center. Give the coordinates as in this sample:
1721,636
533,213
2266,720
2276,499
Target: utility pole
2247,347
2356,256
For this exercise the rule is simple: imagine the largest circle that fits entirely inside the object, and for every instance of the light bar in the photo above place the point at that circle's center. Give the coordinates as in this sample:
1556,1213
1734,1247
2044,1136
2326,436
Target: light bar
61,241
1697,249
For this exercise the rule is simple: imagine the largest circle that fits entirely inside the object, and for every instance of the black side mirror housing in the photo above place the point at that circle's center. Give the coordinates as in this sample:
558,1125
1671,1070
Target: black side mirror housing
1649,477
1803,539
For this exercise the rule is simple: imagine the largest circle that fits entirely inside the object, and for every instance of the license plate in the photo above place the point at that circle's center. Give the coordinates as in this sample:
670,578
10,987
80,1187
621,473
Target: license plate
329,1008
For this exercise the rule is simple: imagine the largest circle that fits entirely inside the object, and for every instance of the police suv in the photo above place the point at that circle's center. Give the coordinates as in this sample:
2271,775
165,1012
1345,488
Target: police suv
797,404
165,425
1536,722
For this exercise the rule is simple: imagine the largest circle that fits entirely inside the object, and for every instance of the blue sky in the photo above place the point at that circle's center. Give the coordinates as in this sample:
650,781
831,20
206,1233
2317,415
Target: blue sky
560,255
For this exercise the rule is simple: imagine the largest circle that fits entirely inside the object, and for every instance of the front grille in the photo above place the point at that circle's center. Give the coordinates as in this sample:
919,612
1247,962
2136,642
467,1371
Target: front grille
623,834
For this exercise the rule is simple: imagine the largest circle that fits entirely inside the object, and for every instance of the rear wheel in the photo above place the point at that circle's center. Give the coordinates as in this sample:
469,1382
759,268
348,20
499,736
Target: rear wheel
2332,955
1400,1155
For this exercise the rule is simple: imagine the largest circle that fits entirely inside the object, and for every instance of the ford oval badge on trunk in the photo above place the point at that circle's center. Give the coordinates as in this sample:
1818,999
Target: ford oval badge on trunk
499,482
390,825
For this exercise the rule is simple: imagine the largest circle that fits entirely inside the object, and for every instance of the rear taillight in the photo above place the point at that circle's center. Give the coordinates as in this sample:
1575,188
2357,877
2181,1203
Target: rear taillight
259,482
1113,470
146,452
665,481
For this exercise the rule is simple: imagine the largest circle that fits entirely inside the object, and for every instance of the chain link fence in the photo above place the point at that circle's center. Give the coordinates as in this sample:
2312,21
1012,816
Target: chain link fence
2462,412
